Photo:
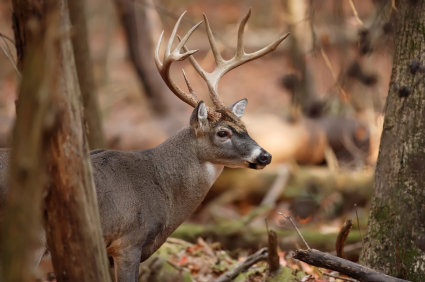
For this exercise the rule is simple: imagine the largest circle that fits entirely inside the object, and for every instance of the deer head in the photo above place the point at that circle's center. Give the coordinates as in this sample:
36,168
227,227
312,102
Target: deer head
219,129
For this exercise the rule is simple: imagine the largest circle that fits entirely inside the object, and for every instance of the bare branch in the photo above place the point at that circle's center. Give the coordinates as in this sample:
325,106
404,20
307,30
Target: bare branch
243,266
11,61
337,276
356,15
299,233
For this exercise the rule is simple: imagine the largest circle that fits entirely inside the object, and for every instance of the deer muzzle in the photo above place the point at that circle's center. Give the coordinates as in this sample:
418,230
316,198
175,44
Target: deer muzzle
261,160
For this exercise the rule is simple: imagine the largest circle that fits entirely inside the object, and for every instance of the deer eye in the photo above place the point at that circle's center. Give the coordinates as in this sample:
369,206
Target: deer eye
222,133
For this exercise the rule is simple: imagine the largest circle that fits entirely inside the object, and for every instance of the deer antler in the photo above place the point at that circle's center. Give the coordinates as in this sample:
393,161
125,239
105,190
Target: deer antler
169,58
222,66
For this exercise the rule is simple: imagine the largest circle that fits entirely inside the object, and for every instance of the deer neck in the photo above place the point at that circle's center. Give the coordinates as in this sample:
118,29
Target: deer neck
186,176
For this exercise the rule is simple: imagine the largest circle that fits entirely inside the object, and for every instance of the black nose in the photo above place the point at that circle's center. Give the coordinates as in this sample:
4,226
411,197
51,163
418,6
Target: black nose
264,158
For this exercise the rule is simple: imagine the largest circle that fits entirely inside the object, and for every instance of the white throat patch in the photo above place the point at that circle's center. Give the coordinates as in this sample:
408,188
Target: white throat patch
213,171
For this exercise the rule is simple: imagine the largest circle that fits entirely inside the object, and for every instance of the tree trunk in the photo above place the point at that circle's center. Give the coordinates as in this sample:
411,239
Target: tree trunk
85,74
395,242
22,219
72,218
141,53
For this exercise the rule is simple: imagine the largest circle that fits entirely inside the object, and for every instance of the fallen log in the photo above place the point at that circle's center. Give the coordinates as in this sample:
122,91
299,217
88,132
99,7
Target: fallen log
238,183
351,269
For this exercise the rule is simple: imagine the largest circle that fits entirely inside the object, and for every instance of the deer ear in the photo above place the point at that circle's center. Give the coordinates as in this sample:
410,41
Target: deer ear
199,118
238,108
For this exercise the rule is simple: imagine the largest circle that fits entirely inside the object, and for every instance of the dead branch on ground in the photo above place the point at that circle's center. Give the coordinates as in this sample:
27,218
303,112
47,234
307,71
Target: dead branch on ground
349,268
243,266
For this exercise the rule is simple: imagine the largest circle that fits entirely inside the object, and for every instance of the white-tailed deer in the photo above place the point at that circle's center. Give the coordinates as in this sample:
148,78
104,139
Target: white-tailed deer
145,195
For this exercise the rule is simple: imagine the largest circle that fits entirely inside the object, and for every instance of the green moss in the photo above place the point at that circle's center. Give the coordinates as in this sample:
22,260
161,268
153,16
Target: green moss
382,214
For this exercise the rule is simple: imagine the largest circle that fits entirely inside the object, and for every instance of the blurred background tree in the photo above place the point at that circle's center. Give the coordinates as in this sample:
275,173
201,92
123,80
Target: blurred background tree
83,63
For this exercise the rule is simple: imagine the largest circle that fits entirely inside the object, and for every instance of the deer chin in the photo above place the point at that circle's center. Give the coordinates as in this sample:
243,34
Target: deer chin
256,166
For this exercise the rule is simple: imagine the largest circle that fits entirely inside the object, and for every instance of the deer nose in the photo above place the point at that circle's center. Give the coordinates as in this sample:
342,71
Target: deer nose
264,158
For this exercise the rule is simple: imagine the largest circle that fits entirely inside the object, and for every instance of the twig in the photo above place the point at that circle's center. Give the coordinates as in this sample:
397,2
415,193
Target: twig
243,266
342,237
356,15
11,61
331,159
331,69
337,276
352,148
206,247
313,31
267,224
299,233
4,37
8,38
358,223
393,5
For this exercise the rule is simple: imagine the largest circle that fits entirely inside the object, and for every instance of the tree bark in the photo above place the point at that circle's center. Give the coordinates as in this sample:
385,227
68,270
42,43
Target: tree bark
395,241
84,67
22,219
72,218
141,53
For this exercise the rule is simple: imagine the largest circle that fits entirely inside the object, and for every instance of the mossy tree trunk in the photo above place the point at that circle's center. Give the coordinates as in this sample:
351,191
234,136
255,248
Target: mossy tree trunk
395,241
138,31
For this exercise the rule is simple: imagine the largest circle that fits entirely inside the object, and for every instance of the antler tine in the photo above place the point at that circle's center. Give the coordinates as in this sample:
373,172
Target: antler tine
269,48
186,37
175,55
157,60
173,35
189,87
194,62
241,30
214,48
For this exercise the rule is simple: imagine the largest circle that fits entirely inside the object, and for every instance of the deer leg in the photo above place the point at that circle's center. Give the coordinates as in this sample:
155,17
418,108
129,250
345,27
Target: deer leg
127,265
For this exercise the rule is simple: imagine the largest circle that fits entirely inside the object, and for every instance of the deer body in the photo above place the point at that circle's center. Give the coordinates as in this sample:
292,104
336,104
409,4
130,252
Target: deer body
145,195
148,208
